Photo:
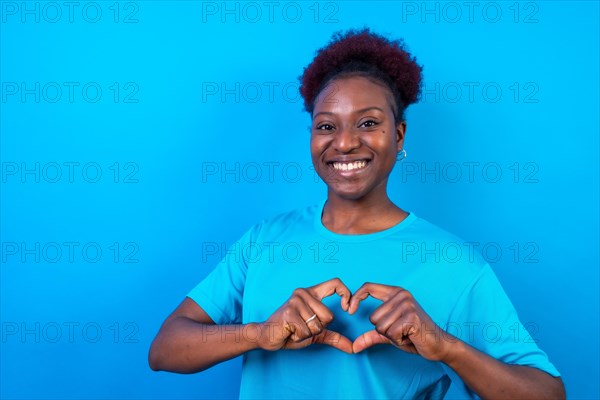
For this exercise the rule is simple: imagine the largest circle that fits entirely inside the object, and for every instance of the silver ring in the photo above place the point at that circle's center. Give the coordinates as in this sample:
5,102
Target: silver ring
311,318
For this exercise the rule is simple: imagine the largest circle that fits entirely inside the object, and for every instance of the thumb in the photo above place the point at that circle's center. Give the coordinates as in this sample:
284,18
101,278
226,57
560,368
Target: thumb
334,339
368,339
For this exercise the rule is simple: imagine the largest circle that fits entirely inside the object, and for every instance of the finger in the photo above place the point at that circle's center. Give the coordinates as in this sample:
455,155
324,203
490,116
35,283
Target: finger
368,339
327,288
334,339
401,335
313,324
383,322
375,290
407,346
390,311
297,329
324,315
305,313
404,329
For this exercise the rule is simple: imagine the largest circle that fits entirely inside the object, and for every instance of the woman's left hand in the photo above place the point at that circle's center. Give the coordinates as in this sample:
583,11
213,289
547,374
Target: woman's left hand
400,321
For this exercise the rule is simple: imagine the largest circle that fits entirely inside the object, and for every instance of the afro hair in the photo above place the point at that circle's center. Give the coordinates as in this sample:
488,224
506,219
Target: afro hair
363,53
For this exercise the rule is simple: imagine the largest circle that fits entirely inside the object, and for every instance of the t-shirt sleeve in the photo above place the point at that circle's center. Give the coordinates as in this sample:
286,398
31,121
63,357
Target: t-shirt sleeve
220,293
485,318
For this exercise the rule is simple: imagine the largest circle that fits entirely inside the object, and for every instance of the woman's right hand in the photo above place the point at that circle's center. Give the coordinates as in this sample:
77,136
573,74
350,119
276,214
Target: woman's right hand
287,327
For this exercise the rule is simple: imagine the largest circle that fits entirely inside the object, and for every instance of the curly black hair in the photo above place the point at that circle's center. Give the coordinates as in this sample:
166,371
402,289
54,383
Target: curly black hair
367,54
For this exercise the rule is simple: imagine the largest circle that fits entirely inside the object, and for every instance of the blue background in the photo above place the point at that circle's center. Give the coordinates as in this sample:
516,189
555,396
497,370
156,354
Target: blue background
167,131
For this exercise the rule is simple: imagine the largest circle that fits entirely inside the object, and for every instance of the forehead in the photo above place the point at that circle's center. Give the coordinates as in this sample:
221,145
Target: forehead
353,93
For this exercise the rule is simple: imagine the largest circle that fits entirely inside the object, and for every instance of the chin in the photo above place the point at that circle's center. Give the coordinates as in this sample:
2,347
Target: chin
348,194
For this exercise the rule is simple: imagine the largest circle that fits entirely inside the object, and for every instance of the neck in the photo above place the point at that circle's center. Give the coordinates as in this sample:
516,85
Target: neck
359,216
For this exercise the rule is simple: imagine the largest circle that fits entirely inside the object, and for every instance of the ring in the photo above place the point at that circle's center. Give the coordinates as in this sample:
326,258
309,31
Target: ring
311,318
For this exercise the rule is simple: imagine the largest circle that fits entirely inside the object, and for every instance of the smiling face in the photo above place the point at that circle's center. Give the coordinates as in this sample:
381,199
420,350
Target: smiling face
354,139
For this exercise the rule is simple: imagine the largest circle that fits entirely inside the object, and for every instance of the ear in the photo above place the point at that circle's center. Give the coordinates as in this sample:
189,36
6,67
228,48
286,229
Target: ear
400,132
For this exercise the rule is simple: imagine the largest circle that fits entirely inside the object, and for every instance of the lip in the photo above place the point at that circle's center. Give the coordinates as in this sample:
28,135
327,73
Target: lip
347,160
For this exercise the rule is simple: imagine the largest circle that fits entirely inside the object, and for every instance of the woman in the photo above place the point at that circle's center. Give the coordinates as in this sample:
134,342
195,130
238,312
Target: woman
414,317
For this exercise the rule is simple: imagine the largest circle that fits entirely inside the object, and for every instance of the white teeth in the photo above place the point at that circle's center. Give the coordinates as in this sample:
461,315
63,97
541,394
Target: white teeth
349,166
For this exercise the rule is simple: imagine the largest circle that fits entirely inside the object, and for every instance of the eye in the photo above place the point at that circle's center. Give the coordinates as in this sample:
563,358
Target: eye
369,123
324,127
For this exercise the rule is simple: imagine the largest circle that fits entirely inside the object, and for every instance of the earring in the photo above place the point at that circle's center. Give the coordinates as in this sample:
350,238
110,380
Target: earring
401,155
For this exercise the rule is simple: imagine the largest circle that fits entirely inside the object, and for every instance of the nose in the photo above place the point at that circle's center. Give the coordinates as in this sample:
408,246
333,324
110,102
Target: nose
345,140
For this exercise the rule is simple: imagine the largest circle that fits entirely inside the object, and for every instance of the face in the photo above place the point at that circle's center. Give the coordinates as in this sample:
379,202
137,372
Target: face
354,139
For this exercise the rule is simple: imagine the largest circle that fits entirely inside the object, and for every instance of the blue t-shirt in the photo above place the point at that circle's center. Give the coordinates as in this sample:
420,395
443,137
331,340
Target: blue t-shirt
451,282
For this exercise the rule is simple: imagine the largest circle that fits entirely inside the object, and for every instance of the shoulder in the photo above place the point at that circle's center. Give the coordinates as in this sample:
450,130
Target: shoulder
285,222
447,250
298,215
422,227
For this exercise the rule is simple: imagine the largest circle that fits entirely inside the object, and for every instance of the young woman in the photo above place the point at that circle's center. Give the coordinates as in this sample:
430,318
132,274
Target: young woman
414,317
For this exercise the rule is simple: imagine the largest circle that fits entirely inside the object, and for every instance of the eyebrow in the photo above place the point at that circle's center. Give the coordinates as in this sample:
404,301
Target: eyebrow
362,110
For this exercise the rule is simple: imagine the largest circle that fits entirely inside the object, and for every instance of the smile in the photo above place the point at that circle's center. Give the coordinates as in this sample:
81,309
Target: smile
349,166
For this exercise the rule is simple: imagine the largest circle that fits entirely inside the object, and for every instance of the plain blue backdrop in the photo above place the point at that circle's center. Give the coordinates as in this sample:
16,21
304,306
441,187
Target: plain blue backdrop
136,137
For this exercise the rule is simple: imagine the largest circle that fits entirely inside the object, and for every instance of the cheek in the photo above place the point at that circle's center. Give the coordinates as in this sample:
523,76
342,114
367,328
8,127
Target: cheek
385,144
313,148
316,146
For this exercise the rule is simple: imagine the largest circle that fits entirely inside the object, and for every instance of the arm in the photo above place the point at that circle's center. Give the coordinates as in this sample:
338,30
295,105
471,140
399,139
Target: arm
402,322
189,341
490,378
